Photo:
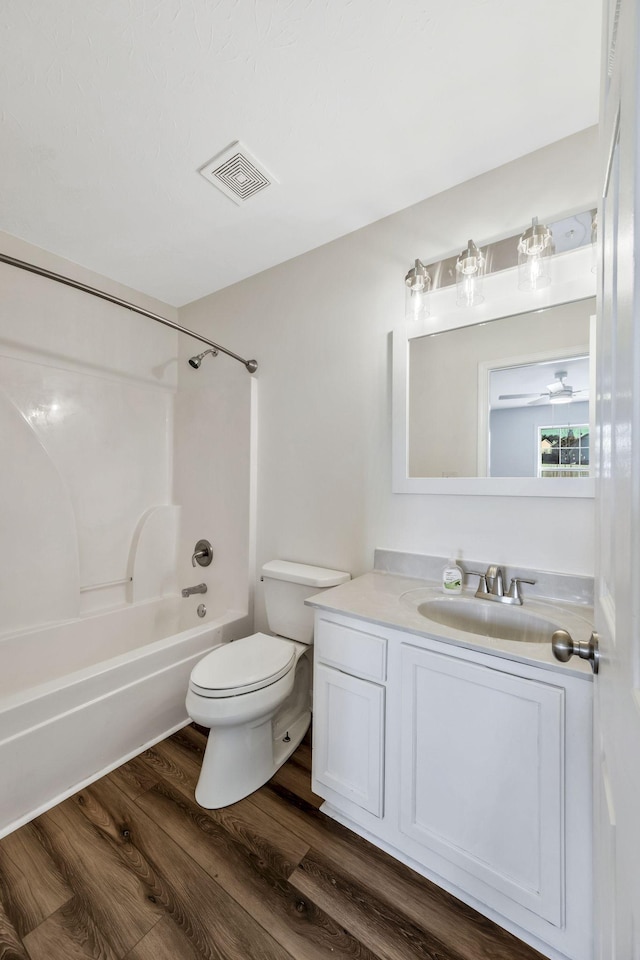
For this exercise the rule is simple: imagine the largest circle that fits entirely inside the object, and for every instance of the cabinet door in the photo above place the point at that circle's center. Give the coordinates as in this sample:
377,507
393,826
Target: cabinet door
348,737
482,778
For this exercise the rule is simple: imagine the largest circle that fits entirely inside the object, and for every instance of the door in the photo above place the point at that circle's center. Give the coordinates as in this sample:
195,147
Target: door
617,686
348,737
482,779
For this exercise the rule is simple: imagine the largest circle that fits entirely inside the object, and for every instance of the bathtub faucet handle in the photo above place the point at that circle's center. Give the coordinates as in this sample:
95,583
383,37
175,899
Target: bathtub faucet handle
202,554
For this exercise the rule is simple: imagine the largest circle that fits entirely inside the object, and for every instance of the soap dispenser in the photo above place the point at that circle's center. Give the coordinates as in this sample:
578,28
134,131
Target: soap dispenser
452,578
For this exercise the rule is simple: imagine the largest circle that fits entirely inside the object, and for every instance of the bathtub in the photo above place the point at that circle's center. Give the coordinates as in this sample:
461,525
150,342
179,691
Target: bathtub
81,697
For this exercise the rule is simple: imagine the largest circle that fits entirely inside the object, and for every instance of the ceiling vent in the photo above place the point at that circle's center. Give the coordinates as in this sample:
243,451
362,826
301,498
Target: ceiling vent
237,173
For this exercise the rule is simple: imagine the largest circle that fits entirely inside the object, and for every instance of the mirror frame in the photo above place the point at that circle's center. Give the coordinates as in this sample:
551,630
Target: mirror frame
572,279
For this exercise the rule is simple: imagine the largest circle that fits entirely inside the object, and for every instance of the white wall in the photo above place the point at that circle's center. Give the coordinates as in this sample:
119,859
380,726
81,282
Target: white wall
515,439
320,325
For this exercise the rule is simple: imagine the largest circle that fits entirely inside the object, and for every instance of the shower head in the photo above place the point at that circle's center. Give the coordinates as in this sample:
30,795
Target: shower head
196,361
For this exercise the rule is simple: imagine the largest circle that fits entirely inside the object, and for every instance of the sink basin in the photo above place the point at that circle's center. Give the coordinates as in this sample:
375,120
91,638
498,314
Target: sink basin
487,618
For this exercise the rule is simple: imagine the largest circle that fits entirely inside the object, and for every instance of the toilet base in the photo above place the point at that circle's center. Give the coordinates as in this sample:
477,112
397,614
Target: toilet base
239,760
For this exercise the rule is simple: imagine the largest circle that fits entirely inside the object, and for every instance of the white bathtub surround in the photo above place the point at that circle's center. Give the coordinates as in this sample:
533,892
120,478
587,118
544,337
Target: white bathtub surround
86,408
79,698
110,440
40,584
153,564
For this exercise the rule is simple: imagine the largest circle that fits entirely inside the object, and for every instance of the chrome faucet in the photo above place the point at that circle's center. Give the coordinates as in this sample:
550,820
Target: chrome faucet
491,585
495,581
200,588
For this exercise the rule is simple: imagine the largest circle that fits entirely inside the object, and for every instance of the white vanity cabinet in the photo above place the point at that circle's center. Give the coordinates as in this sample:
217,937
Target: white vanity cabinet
472,768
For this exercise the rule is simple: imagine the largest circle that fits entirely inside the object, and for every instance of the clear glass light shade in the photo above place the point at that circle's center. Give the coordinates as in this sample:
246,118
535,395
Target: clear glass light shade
469,275
417,286
535,250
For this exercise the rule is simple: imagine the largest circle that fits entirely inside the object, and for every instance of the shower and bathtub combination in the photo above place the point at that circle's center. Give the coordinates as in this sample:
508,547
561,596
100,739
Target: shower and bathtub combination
97,641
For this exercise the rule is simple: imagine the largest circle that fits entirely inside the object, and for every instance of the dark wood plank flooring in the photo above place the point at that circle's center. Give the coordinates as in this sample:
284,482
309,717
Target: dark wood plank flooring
131,867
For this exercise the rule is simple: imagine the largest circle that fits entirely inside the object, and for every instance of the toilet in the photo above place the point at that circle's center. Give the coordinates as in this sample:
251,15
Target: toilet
255,693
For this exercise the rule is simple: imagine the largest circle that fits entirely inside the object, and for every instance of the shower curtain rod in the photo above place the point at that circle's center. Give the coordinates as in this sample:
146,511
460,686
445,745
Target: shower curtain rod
251,365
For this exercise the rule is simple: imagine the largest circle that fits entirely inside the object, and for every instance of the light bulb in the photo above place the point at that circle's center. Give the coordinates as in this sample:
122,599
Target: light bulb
417,285
469,272
534,257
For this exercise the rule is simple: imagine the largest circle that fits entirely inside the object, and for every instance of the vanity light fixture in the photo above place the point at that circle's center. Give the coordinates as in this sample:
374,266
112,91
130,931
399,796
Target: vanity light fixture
535,249
469,272
417,284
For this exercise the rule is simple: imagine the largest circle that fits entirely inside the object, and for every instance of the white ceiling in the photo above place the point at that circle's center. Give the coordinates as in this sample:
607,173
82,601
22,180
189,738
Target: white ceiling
109,108
534,378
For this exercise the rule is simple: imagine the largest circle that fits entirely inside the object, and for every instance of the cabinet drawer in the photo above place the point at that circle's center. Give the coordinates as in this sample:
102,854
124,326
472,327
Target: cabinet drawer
354,651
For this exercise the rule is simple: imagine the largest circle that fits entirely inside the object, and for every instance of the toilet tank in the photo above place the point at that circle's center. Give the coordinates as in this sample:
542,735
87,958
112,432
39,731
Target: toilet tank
286,586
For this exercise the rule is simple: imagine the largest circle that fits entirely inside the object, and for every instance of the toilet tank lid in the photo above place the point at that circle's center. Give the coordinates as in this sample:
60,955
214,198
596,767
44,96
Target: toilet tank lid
304,573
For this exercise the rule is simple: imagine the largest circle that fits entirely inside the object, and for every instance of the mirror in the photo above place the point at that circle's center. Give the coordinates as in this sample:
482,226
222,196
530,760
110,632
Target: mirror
500,406
493,386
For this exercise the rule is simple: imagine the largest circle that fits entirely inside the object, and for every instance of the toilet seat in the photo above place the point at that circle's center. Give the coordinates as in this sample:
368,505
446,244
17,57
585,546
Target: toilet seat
243,666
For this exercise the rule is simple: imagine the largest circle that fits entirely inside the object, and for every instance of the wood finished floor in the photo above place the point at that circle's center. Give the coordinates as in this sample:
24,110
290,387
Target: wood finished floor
132,868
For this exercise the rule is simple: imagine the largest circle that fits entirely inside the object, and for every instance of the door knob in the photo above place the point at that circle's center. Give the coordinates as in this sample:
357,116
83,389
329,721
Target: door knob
564,647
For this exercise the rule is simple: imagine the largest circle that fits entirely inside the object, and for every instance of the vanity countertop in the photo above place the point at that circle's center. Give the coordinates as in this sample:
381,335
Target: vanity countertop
391,600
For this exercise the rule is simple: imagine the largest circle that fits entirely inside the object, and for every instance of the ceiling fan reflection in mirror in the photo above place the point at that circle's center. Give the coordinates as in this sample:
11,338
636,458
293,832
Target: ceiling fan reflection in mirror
556,392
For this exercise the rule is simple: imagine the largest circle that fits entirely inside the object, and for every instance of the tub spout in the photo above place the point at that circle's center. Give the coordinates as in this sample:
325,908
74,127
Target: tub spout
200,588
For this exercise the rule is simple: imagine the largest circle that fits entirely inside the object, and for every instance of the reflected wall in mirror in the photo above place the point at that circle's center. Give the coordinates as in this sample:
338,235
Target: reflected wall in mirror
539,419
466,413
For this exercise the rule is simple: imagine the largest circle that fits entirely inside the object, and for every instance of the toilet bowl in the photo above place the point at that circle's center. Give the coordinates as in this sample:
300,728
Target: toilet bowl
255,693
256,721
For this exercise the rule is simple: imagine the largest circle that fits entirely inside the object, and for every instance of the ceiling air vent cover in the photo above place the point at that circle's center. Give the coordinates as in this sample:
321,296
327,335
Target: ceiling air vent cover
237,173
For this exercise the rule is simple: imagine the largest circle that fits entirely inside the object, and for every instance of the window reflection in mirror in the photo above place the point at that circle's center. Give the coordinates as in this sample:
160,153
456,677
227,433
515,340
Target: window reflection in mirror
465,416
